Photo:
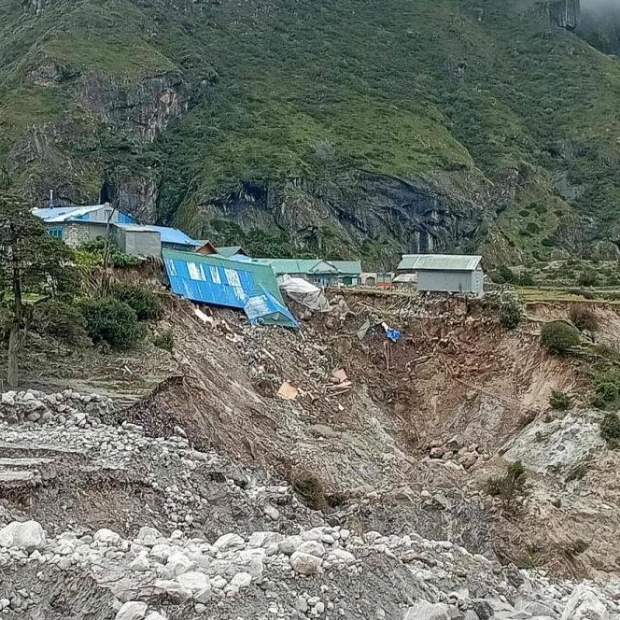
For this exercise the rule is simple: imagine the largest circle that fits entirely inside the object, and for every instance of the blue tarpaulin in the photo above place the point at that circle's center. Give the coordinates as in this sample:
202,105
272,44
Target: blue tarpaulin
219,281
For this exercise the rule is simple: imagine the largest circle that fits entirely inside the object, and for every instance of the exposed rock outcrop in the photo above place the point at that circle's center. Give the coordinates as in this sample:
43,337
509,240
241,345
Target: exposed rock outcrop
142,109
359,207
565,13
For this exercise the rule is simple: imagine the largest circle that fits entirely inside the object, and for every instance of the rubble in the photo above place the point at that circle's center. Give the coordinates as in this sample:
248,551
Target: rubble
296,566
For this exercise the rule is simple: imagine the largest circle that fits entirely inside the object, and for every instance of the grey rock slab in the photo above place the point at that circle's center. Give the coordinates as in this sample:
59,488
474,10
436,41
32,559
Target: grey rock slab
428,611
583,604
28,535
305,563
132,610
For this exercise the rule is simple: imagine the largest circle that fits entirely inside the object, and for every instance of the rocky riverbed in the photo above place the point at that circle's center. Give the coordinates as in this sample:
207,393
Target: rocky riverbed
103,522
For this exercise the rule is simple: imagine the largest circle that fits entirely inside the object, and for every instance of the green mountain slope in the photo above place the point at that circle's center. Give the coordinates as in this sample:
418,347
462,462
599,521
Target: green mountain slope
339,127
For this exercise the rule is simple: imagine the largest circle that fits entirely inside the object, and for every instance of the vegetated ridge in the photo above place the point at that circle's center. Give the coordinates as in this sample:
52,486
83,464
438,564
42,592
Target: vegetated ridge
341,129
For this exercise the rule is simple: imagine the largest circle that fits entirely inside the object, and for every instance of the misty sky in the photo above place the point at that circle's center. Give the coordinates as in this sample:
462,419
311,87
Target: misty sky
600,8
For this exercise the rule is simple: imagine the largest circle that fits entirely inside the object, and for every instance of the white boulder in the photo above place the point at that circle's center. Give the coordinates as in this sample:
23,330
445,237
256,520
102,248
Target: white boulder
228,542
583,604
305,563
428,611
107,537
27,535
132,611
194,580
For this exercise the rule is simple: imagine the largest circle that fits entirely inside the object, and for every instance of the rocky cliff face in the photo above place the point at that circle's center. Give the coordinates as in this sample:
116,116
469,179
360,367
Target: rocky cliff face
359,209
565,13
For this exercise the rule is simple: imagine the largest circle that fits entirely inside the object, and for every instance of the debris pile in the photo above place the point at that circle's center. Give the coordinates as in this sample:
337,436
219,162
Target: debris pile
62,407
207,538
457,449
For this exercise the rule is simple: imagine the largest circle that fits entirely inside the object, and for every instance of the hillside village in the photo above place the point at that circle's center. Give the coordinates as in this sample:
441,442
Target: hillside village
228,276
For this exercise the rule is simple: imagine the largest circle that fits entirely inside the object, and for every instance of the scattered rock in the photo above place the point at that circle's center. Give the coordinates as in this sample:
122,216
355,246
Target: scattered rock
305,563
428,611
132,611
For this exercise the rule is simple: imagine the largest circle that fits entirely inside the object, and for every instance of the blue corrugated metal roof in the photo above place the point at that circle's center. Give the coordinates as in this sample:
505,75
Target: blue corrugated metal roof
168,235
64,214
220,281
53,215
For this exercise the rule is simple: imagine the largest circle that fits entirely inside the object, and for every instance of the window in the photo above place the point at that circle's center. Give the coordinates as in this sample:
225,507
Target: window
196,272
56,232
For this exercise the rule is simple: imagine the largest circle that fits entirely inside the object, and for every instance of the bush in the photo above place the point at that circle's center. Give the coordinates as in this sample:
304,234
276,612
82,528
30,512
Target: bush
112,321
503,275
526,279
559,337
560,401
610,427
508,485
145,302
588,278
310,489
607,391
583,318
94,251
510,312
60,320
165,341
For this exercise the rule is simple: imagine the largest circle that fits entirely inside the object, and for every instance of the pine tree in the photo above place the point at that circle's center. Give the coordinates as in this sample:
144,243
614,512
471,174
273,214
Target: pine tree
31,262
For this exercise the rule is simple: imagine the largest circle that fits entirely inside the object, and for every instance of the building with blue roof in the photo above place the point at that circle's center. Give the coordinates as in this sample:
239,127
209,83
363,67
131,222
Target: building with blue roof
76,225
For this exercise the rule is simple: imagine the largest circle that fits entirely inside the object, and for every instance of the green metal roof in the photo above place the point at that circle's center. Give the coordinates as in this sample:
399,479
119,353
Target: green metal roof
347,267
229,250
311,266
439,262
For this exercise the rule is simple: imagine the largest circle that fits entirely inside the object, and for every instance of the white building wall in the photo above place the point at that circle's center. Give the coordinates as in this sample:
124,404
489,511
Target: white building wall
451,281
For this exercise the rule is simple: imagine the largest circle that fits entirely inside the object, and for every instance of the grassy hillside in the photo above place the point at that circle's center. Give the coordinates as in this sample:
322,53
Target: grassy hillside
487,105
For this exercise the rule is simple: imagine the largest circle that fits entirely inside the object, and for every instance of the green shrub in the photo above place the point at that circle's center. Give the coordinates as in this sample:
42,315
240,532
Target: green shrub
504,275
144,301
94,251
62,321
588,278
526,279
111,321
583,318
560,401
508,485
610,427
165,340
510,312
607,391
559,337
